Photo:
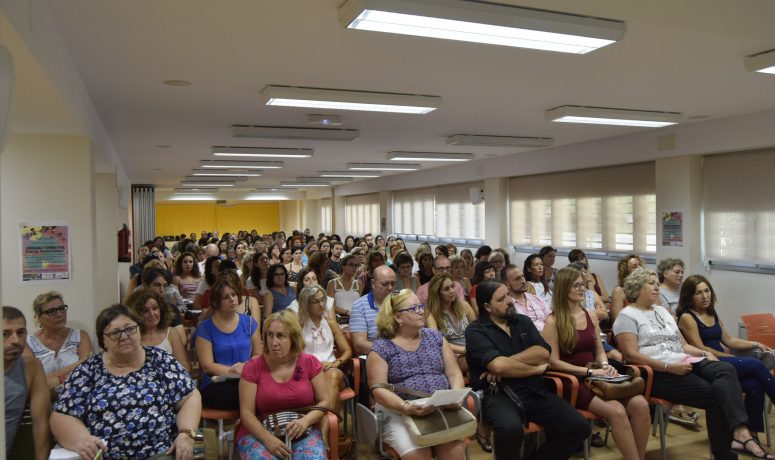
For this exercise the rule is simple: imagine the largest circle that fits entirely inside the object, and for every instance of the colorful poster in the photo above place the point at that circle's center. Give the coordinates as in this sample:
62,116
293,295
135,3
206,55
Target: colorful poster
45,252
673,228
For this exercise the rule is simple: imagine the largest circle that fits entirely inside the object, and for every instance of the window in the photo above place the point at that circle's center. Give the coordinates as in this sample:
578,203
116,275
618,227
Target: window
444,212
738,211
604,209
325,215
361,214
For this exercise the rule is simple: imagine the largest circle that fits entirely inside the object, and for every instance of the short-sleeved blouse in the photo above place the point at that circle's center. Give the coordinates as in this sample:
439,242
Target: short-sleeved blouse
273,396
133,413
658,334
54,360
419,370
282,301
454,328
228,348
188,288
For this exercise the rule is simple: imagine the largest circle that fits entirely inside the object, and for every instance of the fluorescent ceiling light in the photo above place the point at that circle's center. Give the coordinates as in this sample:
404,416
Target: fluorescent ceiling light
326,180
187,197
762,62
617,117
227,173
382,166
261,152
499,141
429,156
267,197
208,184
279,132
301,184
271,189
350,173
483,22
294,96
227,164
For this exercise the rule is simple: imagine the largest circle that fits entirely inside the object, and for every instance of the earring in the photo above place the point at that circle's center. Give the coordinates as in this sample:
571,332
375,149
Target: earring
400,322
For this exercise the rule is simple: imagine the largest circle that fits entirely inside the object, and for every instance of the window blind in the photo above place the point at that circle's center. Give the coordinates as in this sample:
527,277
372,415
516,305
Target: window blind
325,215
361,214
456,217
413,211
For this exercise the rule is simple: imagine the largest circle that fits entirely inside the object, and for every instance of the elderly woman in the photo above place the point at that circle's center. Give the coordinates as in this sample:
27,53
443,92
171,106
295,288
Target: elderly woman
282,378
58,347
671,274
404,277
450,315
574,335
129,401
224,343
625,266
408,354
155,327
702,328
647,334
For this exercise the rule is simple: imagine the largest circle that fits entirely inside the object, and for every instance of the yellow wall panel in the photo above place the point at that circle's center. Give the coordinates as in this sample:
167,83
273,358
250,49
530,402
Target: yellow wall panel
177,218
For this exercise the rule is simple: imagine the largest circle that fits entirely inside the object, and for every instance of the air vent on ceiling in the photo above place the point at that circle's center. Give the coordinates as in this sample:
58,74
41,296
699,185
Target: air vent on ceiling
499,141
278,132
220,201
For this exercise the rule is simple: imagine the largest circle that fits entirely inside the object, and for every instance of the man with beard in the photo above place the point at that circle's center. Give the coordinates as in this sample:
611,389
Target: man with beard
526,303
506,359
24,381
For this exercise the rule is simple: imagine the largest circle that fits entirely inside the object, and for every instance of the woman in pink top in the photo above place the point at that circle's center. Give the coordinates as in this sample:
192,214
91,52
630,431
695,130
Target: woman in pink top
282,378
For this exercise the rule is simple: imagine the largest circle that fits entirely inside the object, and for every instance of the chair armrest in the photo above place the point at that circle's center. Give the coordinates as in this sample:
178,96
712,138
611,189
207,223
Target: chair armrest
645,371
568,379
556,382
333,435
356,375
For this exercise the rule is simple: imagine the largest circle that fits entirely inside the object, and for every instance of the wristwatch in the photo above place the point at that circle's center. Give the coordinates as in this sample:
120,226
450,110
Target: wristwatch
190,433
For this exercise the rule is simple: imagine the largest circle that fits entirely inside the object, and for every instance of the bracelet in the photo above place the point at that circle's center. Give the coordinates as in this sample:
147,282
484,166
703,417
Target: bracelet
589,372
755,345
402,405
604,364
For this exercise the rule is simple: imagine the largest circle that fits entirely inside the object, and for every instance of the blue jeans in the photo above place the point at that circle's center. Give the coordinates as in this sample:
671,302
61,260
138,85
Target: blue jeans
756,381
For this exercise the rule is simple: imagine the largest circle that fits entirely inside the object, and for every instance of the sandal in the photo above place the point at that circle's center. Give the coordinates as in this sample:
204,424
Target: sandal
684,418
743,449
597,440
484,442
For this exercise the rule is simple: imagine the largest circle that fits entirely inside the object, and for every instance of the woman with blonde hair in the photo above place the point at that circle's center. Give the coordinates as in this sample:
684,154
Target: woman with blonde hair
58,347
283,377
574,336
450,315
407,354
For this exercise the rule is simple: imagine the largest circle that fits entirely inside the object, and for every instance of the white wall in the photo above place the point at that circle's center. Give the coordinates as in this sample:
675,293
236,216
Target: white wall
51,178
106,263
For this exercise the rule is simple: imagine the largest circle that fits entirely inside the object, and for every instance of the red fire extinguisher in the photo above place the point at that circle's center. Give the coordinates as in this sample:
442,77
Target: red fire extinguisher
124,244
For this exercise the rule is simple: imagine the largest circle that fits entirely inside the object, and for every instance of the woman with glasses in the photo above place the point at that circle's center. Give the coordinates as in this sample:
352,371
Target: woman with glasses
574,335
129,401
155,328
345,289
58,347
408,354
646,333
224,343
405,279
279,294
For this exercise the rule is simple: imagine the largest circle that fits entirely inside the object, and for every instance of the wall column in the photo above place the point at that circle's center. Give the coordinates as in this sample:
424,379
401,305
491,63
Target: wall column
496,205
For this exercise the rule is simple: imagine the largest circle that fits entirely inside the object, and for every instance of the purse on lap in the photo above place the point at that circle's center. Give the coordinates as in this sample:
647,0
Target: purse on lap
632,385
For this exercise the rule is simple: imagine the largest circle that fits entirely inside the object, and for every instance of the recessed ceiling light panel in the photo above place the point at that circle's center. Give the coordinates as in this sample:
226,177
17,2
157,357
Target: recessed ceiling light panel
295,96
304,184
225,173
483,22
203,184
227,164
499,141
382,166
261,152
428,156
761,62
279,132
610,116
355,174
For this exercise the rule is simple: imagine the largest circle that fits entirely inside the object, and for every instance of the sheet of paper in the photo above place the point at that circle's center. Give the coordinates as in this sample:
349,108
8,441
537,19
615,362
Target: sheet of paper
444,397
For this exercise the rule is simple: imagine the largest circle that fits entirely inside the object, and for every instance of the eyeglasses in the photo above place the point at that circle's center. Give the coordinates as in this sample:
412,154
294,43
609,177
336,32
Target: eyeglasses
419,309
115,334
578,286
55,310
318,301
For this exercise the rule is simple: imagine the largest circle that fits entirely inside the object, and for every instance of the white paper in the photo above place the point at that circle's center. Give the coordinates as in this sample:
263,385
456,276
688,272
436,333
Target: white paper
444,398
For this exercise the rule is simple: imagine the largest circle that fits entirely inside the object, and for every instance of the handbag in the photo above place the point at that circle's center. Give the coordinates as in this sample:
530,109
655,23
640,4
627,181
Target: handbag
623,389
276,422
438,427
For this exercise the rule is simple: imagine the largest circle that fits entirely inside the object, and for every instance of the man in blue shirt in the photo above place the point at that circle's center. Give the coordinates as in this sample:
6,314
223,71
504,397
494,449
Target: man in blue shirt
363,318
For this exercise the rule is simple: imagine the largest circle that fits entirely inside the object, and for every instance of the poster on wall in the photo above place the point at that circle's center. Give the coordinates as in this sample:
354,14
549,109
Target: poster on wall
673,228
45,252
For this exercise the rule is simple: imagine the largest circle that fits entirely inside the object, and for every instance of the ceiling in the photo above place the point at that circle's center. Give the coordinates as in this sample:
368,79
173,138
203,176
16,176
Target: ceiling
676,56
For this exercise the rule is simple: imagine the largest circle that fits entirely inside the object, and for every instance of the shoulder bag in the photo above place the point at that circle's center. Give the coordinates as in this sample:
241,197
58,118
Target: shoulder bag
624,389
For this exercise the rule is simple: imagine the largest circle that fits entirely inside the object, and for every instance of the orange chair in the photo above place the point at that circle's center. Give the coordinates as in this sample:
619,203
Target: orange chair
661,408
349,397
333,436
760,328
218,416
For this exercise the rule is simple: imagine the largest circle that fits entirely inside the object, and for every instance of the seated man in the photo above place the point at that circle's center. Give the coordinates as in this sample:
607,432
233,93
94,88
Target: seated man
506,359
24,381
363,318
441,266
525,303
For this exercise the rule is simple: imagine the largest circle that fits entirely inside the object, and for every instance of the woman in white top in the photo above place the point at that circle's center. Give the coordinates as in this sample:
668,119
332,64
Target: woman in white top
671,274
309,278
155,328
345,288
59,348
534,272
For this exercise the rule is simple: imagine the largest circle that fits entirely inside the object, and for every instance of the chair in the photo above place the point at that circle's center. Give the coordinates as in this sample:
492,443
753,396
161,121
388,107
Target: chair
661,408
333,436
573,381
218,416
761,328
349,396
